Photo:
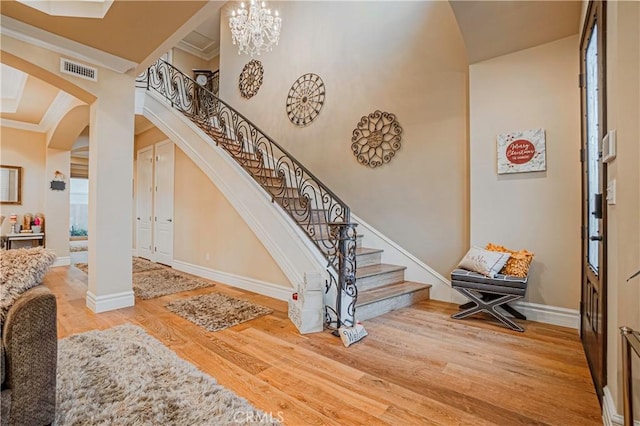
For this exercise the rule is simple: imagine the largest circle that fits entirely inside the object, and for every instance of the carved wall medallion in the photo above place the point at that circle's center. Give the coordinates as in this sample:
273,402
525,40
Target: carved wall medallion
251,78
305,99
376,139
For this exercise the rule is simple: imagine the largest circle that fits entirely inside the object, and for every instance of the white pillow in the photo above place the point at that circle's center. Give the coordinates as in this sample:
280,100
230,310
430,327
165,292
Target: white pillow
350,335
485,262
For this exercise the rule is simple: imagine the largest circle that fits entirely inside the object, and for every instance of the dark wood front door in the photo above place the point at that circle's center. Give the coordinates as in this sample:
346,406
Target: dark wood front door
593,304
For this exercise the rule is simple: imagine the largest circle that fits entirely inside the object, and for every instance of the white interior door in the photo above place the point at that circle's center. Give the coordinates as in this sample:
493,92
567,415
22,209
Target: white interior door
163,211
144,207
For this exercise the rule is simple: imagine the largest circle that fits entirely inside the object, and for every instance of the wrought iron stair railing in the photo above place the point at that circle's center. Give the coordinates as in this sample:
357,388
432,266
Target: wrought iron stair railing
320,213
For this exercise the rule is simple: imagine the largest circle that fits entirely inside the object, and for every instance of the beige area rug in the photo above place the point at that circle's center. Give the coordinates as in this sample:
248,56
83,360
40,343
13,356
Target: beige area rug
216,311
151,280
152,284
123,376
138,264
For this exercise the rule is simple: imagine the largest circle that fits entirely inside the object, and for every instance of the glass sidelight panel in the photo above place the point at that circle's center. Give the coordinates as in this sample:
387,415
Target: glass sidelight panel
593,149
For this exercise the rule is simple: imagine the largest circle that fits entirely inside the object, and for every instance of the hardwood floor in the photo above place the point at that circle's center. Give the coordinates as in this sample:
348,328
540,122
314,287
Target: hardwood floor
416,367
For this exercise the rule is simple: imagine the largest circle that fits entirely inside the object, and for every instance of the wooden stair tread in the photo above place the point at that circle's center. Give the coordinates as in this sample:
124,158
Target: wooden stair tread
367,250
381,268
388,291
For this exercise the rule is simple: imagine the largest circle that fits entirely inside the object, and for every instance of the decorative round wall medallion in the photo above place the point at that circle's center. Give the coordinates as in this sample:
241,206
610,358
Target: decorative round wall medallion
251,78
376,139
305,99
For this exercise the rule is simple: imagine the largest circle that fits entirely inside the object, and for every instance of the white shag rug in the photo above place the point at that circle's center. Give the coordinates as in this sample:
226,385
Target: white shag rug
123,376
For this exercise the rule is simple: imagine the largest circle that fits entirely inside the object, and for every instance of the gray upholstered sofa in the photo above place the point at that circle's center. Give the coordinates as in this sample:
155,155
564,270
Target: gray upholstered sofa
28,338
29,358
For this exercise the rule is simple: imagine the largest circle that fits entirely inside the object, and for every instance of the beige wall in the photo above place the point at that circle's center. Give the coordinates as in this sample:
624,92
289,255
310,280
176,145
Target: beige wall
537,211
407,58
56,203
208,231
27,150
214,63
623,115
186,62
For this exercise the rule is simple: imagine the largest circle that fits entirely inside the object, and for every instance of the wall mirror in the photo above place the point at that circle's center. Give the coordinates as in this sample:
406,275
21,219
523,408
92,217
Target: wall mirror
10,185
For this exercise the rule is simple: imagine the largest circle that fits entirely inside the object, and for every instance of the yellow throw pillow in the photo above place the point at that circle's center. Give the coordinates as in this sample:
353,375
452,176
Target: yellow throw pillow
519,262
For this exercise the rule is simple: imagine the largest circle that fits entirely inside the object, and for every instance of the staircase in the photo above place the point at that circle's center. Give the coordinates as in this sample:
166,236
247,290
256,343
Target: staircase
382,287
357,273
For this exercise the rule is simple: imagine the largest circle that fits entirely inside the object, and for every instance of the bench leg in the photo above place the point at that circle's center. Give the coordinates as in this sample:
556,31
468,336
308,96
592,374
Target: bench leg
488,306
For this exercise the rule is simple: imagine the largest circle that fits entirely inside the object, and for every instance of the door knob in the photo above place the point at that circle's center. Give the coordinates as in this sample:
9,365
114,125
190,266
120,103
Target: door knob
596,238
169,220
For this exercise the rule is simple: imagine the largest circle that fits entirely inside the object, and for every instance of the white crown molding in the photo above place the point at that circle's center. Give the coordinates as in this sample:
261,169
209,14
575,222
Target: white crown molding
200,53
21,125
41,38
251,284
60,106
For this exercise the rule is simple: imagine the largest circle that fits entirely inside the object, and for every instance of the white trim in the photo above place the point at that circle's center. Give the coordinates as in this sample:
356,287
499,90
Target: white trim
610,416
62,261
257,286
387,240
61,105
200,53
416,271
110,302
21,125
64,46
134,252
548,314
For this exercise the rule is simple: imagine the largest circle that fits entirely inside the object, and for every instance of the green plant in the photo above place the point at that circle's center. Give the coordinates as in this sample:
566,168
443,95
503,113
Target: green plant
78,232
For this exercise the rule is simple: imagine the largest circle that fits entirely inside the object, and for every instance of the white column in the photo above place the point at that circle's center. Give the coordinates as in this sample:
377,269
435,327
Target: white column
56,205
110,196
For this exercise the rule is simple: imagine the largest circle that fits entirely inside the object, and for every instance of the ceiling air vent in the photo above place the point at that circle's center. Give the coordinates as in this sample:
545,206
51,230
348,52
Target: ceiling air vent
70,67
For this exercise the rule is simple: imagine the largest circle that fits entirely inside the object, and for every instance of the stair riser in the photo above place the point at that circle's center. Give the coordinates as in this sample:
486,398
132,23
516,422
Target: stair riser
260,171
359,240
369,259
381,307
379,280
269,180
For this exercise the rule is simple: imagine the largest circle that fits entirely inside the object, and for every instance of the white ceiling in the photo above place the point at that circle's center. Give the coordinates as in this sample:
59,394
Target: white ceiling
494,28
13,82
204,40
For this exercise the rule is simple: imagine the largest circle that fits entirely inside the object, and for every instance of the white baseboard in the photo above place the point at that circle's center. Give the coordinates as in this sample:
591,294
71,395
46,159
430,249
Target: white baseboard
547,314
110,302
134,252
261,287
62,261
610,416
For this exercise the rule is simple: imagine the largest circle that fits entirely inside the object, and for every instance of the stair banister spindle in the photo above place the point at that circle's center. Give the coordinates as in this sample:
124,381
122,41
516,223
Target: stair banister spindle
309,202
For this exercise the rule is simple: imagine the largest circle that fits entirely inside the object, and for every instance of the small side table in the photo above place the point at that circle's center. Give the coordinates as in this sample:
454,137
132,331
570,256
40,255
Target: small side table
9,238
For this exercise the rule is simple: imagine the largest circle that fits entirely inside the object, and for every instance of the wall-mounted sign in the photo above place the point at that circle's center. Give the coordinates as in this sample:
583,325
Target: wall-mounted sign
522,151
58,183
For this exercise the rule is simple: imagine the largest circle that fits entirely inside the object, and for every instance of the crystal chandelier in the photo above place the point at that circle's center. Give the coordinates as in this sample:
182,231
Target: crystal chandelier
254,30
